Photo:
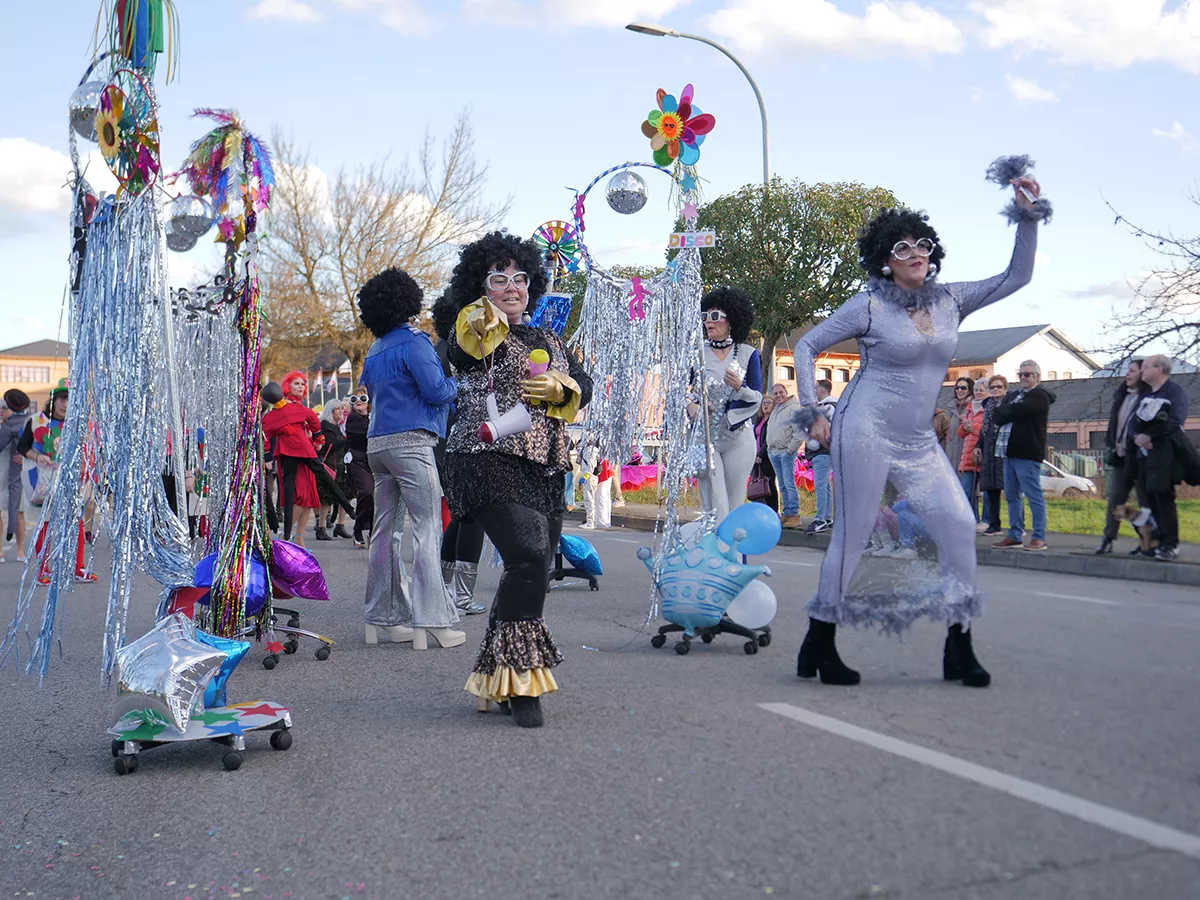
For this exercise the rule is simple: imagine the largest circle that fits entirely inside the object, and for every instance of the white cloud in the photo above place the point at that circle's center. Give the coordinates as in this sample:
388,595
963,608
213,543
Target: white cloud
1103,33
1025,91
33,177
568,13
403,16
285,11
976,94
1177,133
885,27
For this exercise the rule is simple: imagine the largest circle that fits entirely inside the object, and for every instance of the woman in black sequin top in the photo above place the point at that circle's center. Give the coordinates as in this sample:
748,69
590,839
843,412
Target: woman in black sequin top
510,480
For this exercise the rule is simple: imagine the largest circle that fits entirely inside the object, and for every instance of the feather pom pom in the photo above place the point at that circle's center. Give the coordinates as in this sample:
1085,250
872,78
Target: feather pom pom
1041,212
804,417
1003,170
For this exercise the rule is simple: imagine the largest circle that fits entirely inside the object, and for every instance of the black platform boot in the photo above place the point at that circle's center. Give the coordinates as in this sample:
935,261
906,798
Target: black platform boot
526,711
959,662
340,531
818,654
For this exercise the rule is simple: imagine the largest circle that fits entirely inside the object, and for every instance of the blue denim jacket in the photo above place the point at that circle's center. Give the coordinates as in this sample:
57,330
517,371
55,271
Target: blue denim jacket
409,391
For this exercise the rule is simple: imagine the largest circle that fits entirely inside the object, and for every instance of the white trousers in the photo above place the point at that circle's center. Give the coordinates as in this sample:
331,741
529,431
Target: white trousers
731,470
597,502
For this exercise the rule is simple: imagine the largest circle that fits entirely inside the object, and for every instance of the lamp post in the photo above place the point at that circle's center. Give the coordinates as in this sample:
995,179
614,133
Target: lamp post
660,31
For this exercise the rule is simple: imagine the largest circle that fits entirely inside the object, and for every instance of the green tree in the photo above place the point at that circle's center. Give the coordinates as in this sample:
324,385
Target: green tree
791,247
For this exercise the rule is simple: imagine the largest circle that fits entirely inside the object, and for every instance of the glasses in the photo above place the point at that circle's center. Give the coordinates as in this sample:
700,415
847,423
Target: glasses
359,398
996,387
961,387
905,250
499,281
713,315
1026,374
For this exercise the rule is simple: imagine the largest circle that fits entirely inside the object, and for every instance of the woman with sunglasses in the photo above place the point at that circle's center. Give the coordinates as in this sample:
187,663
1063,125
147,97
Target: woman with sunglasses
906,324
734,377
357,424
519,388
959,409
991,467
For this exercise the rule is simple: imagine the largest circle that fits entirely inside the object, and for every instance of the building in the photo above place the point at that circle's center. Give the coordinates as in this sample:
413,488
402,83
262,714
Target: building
34,368
980,354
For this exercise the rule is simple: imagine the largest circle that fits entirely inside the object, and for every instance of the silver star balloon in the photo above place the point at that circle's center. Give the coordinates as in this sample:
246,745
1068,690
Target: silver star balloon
165,671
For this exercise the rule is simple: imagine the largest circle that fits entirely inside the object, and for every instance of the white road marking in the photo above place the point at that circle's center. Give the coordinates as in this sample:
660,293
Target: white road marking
784,562
1152,833
1072,597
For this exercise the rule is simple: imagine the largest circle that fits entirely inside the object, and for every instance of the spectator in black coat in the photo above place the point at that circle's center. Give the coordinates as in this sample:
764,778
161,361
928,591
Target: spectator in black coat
1120,462
359,469
1021,440
1163,457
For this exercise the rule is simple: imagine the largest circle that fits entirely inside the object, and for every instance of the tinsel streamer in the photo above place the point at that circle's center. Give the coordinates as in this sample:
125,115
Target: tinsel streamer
243,526
113,444
634,399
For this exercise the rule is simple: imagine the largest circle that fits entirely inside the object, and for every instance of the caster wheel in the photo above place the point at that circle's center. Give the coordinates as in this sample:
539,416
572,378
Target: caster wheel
291,647
322,652
683,647
594,586
293,623
269,662
764,640
707,638
751,647
281,740
124,764
657,641
116,747
232,760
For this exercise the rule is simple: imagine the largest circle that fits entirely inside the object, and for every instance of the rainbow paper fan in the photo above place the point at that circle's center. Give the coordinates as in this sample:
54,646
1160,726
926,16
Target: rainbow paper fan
677,128
560,247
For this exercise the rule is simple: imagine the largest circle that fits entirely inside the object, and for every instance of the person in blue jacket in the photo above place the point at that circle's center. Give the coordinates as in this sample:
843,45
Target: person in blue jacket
410,401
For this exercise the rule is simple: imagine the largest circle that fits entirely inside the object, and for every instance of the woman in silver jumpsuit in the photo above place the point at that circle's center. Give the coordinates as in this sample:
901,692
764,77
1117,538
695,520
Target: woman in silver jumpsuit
883,445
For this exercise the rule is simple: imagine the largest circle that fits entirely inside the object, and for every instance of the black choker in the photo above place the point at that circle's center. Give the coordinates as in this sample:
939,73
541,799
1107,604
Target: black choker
721,345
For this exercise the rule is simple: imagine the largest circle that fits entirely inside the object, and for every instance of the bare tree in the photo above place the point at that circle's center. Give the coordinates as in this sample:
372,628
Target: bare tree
1166,301
326,239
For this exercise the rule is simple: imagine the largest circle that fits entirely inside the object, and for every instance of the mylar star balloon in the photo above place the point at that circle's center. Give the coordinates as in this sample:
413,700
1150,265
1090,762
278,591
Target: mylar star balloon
165,671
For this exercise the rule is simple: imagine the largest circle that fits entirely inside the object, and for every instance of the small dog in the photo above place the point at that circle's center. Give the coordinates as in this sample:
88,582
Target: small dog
1143,523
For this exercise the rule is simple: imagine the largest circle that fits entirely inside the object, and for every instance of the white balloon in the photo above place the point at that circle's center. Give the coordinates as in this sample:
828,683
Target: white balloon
755,606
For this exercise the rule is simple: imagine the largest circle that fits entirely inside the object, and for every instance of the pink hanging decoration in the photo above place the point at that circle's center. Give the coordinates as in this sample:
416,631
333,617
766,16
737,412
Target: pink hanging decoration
637,297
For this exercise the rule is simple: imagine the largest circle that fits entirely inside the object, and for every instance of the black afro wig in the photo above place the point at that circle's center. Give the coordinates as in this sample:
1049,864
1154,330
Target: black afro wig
735,303
880,235
389,300
495,251
445,314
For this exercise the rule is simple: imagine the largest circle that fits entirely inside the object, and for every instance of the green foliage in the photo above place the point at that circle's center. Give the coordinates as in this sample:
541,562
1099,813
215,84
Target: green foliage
790,245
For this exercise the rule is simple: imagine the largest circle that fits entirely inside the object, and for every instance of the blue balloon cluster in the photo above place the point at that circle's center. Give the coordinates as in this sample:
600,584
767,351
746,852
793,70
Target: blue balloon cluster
256,590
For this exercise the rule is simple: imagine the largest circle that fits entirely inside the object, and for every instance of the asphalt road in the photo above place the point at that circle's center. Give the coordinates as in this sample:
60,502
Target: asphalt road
712,775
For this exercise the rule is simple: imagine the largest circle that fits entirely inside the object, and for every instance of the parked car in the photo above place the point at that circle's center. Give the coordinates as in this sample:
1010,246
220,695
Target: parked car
1057,483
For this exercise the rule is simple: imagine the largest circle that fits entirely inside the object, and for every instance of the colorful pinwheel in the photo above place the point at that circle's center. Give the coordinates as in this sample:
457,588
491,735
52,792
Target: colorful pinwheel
559,246
127,131
677,128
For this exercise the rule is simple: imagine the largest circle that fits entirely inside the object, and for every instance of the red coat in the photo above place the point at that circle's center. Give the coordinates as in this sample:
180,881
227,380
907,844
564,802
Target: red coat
293,426
970,438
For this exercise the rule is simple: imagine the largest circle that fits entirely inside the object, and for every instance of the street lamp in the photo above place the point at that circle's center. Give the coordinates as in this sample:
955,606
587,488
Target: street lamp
660,31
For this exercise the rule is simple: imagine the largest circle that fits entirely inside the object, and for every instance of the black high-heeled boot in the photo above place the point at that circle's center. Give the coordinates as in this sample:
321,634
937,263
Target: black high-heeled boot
959,662
340,531
818,654
526,711
322,534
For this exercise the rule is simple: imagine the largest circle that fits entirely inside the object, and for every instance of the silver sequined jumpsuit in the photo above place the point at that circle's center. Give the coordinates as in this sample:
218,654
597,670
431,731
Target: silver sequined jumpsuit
883,433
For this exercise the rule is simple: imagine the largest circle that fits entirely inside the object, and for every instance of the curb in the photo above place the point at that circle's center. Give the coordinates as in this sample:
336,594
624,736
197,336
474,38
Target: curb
1086,564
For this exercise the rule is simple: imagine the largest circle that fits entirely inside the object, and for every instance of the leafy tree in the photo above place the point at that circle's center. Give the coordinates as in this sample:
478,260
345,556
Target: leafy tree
790,246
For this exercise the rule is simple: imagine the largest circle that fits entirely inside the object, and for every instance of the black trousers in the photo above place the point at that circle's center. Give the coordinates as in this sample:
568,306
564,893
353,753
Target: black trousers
1162,504
994,501
526,540
290,465
1122,482
462,542
364,494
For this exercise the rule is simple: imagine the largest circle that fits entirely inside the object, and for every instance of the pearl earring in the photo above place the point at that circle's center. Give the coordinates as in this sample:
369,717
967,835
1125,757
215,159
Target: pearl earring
886,270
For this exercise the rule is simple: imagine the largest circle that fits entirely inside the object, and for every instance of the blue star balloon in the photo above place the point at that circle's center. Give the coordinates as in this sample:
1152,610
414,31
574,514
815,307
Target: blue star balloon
214,694
698,583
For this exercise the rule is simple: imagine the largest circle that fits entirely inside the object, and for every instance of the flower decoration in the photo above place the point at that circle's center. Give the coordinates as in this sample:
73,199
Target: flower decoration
231,167
677,128
108,121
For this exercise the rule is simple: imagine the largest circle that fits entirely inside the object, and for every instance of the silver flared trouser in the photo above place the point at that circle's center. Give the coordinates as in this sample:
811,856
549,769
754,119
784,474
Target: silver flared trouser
406,478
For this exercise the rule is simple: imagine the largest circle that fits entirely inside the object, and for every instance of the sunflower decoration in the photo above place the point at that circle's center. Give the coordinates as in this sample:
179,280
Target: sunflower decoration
128,141
677,128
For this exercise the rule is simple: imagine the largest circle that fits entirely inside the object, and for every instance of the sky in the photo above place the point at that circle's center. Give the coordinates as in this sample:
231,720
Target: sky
914,95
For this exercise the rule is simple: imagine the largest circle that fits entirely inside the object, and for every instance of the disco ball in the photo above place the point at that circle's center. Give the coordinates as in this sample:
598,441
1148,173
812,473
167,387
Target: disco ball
191,215
179,241
626,192
83,106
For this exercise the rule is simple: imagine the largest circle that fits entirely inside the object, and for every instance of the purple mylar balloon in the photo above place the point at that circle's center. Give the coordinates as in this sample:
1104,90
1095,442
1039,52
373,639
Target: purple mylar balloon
296,572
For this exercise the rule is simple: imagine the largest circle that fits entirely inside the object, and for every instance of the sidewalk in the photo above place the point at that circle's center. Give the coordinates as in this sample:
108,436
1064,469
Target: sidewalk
1068,554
